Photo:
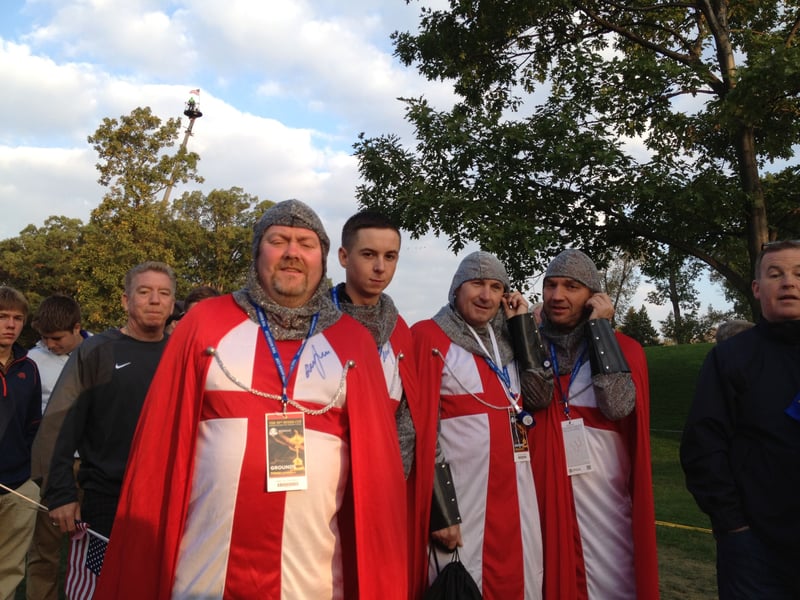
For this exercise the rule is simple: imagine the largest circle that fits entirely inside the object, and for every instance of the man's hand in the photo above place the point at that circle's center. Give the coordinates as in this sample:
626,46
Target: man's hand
514,304
600,306
448,538
64,517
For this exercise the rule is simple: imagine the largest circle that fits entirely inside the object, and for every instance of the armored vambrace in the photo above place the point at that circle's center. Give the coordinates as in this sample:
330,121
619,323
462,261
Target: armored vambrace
529,350
444,508
605,354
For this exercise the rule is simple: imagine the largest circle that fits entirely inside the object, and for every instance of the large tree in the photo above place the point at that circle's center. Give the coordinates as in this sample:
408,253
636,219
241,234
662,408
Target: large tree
638,125
136,164
212,236
41,261
206,238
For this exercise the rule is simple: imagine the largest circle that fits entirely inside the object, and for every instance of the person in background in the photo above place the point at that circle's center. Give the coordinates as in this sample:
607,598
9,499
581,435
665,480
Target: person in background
95,406
197,294
20,413
174,317
484,501
591,444
266,463
58,323
192,298
741,443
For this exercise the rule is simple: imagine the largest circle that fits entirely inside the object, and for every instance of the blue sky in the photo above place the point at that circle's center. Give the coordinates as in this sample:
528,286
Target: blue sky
286,87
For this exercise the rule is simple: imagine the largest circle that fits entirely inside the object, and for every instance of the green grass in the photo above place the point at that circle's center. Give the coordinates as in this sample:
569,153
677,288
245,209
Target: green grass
686,556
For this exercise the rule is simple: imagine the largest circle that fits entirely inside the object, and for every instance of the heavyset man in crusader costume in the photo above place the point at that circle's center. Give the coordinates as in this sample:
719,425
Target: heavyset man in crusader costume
266,463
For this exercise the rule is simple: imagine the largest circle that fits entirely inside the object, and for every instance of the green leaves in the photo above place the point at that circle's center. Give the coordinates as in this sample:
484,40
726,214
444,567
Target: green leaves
206,239
605,125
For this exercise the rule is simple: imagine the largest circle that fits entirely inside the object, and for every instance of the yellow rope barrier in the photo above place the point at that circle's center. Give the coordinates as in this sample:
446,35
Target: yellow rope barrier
677,526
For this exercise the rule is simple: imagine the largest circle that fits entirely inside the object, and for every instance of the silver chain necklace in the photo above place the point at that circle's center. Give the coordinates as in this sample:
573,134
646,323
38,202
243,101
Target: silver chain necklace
350,364
436,352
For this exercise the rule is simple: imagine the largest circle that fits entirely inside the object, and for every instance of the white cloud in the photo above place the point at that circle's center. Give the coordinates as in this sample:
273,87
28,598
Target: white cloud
38,183
286,86
135,37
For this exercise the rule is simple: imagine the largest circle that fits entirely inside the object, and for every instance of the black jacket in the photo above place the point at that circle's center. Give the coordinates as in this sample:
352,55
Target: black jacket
740,450
94,409
20,413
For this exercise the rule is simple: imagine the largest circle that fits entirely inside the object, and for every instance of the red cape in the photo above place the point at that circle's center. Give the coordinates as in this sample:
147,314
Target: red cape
429,380
563,578
142,555
420,480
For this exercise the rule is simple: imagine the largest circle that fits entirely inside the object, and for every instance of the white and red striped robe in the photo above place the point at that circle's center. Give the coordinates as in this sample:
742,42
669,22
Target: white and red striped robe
496,495
599,527
195,520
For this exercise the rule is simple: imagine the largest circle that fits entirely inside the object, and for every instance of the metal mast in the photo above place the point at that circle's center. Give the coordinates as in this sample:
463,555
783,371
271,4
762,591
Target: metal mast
192,110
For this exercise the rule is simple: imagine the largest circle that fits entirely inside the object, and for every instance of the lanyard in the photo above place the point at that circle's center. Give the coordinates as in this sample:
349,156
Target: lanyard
502,374
576,367
494,365
273,348
335,298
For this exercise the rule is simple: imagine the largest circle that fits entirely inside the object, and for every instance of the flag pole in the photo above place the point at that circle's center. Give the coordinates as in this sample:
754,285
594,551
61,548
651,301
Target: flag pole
42,507
24,497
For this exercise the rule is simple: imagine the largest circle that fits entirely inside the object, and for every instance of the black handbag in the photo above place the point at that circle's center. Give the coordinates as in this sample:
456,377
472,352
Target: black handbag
453,582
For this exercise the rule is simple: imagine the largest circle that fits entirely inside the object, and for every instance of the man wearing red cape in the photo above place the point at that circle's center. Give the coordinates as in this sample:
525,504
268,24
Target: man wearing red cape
369,254
265,390
591,443
484,503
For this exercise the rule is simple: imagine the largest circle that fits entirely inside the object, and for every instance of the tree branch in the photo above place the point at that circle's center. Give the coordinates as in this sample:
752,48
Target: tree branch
793,32
637,39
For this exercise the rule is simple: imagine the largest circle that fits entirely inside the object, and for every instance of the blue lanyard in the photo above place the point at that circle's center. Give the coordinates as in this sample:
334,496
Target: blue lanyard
273,348
335,298
575,368
501,373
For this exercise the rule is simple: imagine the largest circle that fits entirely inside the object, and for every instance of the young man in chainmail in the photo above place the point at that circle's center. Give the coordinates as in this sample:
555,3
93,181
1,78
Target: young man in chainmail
484,493
369,254
266,463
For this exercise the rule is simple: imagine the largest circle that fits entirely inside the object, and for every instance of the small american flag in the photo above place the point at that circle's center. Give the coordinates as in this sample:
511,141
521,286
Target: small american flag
86,553
195,92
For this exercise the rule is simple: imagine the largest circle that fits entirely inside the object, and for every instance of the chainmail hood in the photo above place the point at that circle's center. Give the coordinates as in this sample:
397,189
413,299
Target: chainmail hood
292,213
289,323
576,265
478,265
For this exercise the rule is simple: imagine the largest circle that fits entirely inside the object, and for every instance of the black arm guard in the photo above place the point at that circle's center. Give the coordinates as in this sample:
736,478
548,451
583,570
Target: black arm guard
529,350
444,507
605,354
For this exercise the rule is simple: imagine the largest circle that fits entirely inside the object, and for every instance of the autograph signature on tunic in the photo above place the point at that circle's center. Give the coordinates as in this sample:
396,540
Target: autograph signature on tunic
316,362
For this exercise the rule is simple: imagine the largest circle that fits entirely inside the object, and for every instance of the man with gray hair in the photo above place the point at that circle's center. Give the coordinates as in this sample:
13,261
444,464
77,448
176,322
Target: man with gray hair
484,497
94,409
266,463
591,444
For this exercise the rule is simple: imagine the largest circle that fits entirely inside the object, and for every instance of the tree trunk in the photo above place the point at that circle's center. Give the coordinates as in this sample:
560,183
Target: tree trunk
675,300
758,229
